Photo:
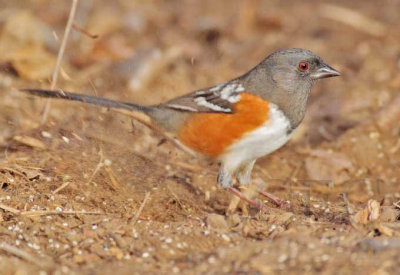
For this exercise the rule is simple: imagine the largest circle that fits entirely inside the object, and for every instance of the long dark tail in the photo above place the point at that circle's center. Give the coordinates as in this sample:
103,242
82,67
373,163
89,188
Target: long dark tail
99,101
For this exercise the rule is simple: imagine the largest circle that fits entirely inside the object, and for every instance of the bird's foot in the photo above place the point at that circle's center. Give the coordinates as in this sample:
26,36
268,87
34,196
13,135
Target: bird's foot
244,197
278,201
247,196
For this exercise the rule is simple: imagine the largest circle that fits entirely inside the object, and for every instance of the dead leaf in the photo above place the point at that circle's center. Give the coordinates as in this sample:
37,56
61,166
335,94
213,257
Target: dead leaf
30,141
385,230
369,214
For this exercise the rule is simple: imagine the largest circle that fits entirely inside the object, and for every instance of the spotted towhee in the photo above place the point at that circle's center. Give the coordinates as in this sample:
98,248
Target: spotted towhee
238,121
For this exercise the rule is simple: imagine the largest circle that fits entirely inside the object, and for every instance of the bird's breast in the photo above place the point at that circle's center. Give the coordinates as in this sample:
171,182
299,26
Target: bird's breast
255,128
261,141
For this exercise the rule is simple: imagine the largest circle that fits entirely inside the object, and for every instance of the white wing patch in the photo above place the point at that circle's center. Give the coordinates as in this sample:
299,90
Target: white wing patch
201,92
226,91
216,99
181,107
232,92
201,101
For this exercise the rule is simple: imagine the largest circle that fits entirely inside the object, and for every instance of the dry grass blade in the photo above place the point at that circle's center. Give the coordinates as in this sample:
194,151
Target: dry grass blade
52,212
9,169
65,184
60,56
24,255
98,166
113,181
137,215
85,32
346,201
9,209
30,141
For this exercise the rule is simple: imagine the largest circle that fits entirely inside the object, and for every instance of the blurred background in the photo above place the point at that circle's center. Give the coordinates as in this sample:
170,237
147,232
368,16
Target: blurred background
150,51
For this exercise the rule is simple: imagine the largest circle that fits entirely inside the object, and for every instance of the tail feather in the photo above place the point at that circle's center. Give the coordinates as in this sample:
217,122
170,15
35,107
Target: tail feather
87,99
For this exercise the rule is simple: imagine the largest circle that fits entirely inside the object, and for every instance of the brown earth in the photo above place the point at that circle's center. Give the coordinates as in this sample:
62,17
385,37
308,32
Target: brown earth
94,191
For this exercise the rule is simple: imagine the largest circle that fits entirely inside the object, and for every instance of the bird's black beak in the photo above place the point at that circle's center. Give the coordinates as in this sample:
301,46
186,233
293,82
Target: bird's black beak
323,72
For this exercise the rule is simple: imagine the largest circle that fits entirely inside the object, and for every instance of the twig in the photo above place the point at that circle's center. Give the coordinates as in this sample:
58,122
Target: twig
64,43
65,184
176,198
346,201
99,165
14,171
94,87
10,209
53,212
137,215
329,182
60,56
114,183
85,32
23,255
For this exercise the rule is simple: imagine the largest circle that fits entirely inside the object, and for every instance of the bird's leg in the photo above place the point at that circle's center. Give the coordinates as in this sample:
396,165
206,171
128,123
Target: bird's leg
278,201
225,180
244,178
243,197
244,173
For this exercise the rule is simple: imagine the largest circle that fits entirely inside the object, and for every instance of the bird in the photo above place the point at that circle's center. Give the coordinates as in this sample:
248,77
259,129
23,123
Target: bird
238,121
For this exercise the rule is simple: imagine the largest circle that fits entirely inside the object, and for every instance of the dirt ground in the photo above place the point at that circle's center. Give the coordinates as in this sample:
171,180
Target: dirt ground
94,191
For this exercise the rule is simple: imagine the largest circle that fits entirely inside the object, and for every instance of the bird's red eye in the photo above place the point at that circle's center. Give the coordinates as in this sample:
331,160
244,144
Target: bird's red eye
303,66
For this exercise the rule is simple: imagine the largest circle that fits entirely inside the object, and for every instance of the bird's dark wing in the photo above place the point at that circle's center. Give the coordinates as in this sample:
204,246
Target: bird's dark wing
218,99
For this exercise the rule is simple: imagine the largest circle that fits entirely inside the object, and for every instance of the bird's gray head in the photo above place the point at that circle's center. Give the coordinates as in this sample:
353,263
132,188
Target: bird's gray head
286,78
296,70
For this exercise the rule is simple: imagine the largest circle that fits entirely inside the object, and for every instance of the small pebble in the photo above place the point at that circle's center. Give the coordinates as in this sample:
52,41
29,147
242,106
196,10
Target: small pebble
282,258
46,134
168,240
145,255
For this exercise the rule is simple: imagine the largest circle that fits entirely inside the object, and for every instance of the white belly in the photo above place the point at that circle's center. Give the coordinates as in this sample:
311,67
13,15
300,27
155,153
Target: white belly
269,137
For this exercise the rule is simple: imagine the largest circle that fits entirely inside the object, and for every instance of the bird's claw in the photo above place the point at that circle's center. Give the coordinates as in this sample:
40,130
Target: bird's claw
255,203
278,201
